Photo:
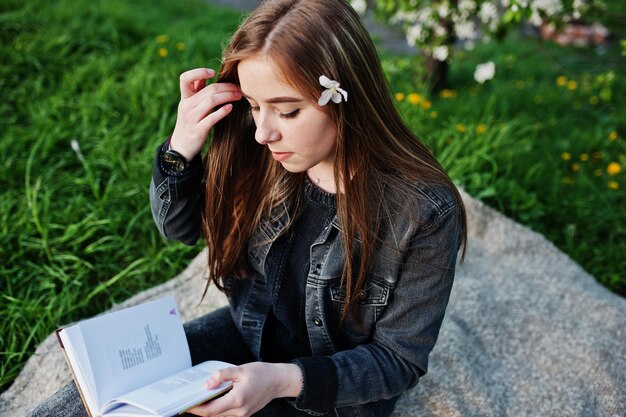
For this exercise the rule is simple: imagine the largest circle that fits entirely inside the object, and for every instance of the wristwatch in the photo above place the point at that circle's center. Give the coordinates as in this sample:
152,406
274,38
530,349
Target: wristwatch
172,162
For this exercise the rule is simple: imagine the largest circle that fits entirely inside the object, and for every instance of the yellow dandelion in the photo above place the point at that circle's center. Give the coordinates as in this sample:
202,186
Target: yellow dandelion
566,156
613,136
584,157
568,180
613,168
613,185
561,80
426,105
399,96
480,129
181,46
597,172
460,127
593,100
449,141
414,99
162,38
447,93
162,52
520,84
575,167
433,114
572,85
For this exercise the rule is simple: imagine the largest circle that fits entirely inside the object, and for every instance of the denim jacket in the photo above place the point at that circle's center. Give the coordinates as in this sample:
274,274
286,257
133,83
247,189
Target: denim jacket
401,306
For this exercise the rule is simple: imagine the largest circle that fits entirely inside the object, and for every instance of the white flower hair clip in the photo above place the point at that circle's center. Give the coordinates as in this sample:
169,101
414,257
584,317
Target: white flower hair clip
332,92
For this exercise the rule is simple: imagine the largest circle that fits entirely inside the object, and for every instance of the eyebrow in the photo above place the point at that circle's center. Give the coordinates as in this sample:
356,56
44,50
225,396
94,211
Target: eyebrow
274,100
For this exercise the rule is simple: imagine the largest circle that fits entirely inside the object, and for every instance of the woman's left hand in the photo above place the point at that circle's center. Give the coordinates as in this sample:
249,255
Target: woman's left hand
254,386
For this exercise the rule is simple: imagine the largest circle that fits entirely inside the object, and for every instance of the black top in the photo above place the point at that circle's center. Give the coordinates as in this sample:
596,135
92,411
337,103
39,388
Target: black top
287,267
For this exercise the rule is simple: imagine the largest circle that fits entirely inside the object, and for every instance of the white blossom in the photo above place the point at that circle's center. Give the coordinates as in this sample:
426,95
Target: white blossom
578,6
441,53
485,72
467,6
535,18
548,7
416,34
440,31
466,30
488,12
428,22
443,10
404,17
332,92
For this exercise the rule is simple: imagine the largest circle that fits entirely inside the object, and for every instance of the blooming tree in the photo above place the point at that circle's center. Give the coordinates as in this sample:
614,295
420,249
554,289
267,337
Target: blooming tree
435,26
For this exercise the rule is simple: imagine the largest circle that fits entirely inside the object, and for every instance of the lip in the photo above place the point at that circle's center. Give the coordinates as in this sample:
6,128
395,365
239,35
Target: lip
281,156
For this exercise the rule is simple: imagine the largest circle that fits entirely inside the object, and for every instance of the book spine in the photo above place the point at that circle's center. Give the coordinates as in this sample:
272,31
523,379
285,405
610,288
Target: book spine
57,332
69,365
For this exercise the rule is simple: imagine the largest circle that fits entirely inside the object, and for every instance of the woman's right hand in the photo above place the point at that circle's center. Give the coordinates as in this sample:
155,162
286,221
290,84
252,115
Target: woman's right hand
199,110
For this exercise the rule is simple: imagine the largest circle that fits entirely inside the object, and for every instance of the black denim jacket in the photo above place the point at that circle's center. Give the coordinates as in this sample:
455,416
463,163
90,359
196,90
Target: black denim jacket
401,306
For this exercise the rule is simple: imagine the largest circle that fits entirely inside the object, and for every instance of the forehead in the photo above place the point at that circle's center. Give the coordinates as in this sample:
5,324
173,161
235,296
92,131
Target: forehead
261,80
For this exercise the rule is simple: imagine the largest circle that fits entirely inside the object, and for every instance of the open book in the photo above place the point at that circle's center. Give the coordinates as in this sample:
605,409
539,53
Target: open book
136,362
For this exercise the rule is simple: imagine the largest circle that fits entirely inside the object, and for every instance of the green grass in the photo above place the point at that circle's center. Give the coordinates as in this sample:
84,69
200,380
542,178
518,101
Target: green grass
536,142
76,233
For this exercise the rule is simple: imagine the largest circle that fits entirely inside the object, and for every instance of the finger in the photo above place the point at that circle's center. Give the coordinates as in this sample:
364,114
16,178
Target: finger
212,102
189,78
225,374
217,407
212,118
199,85
216,89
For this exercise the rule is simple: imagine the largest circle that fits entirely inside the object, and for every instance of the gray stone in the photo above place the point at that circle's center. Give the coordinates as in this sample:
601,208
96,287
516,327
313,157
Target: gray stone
527,333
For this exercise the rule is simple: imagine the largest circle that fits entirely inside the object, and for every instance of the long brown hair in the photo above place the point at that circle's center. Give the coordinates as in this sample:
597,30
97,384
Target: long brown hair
375,150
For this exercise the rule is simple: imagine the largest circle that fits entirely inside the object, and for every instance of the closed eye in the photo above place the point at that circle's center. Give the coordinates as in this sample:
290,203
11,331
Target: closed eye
290,115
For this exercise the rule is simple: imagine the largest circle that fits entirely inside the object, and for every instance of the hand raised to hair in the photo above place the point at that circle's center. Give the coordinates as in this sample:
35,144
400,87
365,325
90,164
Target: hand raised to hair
199,110
254,386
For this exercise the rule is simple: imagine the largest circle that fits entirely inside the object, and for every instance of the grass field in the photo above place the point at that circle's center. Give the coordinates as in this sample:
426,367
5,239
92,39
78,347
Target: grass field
544,142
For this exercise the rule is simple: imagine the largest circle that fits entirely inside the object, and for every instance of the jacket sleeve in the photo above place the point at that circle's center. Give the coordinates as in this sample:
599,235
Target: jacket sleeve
405,333
177,201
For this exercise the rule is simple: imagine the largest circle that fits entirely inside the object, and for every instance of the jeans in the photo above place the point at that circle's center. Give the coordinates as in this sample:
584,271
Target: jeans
210,337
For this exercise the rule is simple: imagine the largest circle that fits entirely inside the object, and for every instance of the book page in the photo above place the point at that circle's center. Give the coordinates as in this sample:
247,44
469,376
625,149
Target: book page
170,395
133,347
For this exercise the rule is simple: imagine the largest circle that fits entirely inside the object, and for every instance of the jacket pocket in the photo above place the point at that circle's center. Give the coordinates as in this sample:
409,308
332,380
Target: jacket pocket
370,303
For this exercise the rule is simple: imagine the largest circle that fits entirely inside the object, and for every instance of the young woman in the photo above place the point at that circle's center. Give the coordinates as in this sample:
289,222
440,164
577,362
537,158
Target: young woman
330,226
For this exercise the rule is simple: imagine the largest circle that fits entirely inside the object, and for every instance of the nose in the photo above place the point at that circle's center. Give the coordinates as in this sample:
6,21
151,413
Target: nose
266,132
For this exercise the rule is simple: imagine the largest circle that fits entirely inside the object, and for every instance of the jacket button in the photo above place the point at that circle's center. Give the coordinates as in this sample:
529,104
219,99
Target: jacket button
317,321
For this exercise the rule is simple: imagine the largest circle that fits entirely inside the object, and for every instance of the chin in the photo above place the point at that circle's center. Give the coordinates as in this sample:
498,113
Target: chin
294,169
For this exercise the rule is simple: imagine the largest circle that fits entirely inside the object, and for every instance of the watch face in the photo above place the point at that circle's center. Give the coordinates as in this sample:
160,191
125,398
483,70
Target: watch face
174,161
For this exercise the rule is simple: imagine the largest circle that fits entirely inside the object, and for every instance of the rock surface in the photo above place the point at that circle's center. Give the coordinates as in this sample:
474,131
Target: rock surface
527,333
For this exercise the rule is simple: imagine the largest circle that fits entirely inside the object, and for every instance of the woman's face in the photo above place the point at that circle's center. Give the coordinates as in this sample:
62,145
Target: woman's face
300,135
